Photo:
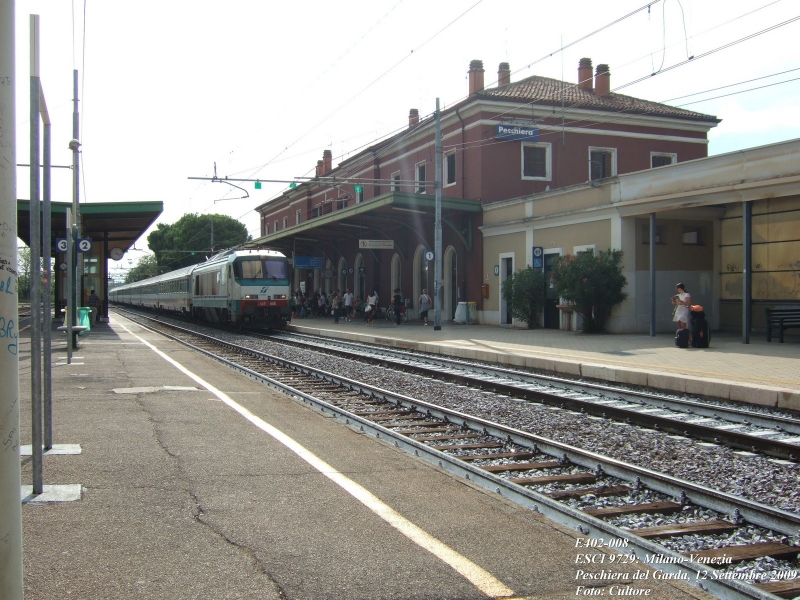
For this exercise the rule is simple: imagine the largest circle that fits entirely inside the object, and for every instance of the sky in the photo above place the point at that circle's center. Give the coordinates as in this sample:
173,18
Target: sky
168,88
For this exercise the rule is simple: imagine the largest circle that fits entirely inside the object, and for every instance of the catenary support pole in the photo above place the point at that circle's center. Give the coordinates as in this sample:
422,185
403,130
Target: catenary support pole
747,259
652,274
10,505
437,250
70,296
75,145
36,264
47,281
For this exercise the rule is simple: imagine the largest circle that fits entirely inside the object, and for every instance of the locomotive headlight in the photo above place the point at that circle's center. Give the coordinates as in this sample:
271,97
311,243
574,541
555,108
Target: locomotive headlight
280,296
251,297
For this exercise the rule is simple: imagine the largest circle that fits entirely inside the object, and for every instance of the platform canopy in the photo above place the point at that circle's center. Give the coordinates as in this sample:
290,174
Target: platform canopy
118,223
390,216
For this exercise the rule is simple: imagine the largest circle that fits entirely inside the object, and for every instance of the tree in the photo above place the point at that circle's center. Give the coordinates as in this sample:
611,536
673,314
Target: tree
188,240
524,292
592,283
146,267
24,274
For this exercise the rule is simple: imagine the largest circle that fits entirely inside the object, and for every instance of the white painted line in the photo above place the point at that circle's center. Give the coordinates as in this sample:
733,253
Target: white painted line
477,576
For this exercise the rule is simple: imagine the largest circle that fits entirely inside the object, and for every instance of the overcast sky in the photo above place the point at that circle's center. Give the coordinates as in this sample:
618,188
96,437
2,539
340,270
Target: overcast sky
170,87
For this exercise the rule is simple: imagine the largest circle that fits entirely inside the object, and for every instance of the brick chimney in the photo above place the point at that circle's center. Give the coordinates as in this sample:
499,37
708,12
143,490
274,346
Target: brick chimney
327,159
413,117
475,77
585,74
503,74
602,80
319,169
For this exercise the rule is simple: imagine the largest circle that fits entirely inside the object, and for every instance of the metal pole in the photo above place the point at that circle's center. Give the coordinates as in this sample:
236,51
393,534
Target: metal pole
10,505
747,284
74,145
437,250
36,265
652,274
47,278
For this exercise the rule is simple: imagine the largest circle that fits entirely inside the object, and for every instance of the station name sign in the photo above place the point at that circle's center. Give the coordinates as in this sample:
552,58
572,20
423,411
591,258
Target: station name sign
376,244
516,132
308,262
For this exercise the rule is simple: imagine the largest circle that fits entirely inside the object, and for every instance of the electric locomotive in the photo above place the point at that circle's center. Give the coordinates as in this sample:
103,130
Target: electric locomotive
235,287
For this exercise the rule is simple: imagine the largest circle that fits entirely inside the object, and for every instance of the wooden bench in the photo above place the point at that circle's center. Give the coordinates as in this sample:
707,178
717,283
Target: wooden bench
782,318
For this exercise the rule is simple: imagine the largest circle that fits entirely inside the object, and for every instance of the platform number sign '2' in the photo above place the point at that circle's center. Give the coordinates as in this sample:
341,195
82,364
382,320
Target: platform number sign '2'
84,245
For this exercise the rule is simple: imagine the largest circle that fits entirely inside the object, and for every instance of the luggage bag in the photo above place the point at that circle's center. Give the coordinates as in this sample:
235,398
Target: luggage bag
682,338
701,337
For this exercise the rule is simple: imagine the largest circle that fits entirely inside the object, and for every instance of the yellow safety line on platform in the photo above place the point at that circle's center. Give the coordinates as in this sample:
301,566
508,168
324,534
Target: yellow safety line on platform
477,576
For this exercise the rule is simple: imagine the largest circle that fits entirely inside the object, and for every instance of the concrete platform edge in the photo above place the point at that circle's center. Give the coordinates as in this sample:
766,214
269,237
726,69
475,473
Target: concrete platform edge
763,395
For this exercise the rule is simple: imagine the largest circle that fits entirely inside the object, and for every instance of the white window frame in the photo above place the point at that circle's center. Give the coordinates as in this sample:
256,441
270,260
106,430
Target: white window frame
395,186
297,216
447,171
276,225
613,152
672,155
547,160
285,222
417,188
266,227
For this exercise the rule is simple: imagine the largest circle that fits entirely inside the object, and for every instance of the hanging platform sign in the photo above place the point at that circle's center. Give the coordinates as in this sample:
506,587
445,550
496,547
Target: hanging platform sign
376,244
516,132
308,262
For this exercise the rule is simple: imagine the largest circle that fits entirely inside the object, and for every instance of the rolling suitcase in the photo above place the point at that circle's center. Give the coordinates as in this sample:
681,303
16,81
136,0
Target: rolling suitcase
701,337
682,338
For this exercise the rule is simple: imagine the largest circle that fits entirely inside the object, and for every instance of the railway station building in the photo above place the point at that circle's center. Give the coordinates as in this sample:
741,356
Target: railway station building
706,211
369,221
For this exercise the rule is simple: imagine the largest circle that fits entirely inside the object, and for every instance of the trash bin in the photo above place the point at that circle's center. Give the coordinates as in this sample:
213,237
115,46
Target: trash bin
85,318
472,312
461,313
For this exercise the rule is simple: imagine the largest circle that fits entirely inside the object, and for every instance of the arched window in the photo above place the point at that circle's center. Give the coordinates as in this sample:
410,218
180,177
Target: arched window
328,280
341,278
451,289
359,279
395,279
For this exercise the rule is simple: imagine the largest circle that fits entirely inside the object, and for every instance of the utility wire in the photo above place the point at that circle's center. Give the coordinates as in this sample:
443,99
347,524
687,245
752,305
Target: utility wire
381,76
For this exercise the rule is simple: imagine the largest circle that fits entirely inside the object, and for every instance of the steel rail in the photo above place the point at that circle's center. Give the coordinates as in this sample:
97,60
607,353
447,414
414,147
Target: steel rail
627,414
644,550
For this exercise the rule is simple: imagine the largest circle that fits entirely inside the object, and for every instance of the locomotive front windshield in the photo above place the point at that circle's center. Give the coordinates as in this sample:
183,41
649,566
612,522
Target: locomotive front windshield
260,270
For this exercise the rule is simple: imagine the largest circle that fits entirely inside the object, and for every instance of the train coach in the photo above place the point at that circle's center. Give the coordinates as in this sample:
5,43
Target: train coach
235,287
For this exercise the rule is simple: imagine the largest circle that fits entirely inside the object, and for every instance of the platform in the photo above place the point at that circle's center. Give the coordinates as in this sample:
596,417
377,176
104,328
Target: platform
200,483
764,373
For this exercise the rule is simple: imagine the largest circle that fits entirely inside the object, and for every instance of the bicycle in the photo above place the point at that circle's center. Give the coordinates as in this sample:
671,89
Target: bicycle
391,317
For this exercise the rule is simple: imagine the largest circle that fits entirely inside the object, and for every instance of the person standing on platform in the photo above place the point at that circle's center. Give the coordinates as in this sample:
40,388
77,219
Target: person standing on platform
424,305
683,302
348,304
94,304
397,304
336,302
371,308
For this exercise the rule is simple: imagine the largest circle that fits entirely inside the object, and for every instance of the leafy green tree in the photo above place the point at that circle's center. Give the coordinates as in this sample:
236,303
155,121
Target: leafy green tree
593,283
23,274
146,267
188,240
524,292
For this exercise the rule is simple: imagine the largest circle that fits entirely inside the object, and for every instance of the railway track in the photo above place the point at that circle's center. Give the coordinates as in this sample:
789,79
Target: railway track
776,435
729,546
